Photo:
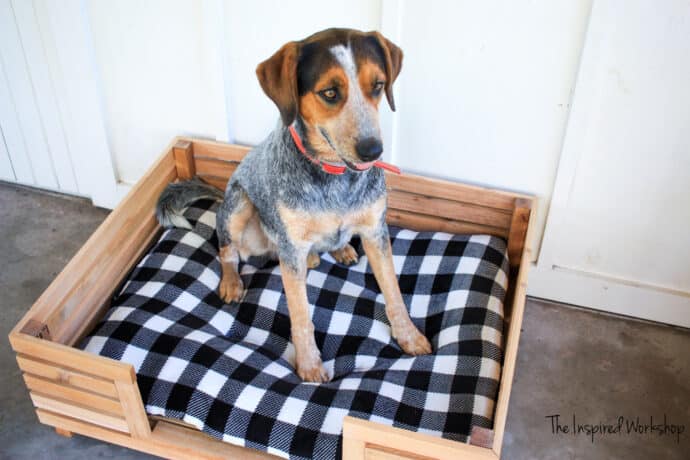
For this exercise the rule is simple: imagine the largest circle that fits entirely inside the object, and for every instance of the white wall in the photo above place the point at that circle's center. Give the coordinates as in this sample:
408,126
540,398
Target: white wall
485,90
150,59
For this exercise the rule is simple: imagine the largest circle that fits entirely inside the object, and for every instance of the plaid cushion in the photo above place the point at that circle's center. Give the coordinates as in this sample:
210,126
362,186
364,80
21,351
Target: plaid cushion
229,369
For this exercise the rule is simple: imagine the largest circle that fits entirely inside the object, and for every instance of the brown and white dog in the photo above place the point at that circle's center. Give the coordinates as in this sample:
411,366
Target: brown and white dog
315,182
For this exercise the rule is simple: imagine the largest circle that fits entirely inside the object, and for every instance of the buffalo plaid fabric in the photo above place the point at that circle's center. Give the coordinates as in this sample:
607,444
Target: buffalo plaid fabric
229,369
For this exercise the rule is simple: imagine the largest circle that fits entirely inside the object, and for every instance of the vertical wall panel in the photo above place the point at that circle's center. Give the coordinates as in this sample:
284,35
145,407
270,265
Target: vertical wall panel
19,83
44,91
14,140
79,96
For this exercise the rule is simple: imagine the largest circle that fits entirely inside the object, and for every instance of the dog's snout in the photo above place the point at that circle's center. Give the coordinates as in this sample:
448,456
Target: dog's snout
369,149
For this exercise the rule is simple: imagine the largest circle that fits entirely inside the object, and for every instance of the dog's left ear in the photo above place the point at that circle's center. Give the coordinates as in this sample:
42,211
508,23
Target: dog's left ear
393,56
278,78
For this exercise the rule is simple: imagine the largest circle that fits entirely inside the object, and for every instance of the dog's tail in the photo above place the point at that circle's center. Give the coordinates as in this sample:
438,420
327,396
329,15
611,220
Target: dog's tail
176,197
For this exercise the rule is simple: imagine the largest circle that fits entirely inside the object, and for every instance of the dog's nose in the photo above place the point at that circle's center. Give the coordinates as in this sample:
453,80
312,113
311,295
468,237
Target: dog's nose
369,149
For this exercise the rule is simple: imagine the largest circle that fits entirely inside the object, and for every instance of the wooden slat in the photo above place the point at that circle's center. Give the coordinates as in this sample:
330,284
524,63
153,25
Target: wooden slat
79,412
218,182
58,353
166,440
220,151
516,310
85,269
94,314
423,223
67,376
72,394
452,191
453,210
518,230
213,167
184,159
373,453
408,443
135,414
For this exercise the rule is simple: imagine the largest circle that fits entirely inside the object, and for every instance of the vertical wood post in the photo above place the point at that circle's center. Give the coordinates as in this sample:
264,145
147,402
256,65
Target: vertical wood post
184,160
135,414
518,230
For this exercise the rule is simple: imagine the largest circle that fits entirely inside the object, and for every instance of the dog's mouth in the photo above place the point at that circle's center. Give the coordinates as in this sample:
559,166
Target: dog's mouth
359,167
351,165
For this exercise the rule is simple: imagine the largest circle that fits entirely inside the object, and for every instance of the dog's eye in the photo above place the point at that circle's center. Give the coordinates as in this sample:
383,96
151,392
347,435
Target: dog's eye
329,94
378,86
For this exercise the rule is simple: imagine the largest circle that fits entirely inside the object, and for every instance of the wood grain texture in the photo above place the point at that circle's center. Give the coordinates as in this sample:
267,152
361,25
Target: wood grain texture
133,407
72,358
518,230
214,167
517,309
75,411
74,395
184,159
166,440
426,223
89,279
66,376
407,444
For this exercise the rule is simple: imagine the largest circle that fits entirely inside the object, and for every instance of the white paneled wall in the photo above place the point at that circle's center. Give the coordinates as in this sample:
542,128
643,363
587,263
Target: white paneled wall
50,111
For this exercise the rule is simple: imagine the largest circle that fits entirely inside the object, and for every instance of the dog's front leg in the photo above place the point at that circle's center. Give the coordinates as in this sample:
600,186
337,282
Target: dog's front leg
377,247
307,355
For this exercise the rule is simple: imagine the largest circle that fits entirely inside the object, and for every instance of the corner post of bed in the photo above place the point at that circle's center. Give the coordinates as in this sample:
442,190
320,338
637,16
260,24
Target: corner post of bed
520,256
518,230
133,407
183,150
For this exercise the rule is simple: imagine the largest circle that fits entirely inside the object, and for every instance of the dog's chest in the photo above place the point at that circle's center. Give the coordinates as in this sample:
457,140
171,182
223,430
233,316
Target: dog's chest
330,230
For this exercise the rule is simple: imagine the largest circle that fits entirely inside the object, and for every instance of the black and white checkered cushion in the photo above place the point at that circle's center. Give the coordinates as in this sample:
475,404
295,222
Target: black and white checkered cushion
229,369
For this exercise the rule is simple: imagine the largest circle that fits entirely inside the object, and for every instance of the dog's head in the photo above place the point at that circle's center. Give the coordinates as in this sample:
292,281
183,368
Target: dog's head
332,82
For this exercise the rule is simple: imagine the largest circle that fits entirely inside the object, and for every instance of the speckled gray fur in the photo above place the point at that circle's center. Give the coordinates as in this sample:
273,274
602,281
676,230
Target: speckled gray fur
274,173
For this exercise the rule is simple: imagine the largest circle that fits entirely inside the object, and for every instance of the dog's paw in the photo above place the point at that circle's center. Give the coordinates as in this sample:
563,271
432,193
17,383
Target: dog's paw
315,374
312,371
313,260
346,255
231,289
412,341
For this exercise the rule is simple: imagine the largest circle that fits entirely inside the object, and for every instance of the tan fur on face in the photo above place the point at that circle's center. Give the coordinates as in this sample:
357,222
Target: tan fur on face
369,73
341,121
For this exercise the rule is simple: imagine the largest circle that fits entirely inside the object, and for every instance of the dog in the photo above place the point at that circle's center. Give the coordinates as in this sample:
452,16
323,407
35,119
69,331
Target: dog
315,182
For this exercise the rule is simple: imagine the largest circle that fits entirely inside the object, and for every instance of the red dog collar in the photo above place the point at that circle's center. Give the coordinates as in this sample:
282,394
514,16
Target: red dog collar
333,168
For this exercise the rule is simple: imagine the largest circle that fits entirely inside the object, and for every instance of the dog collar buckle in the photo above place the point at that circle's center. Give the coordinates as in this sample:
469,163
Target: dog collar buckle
333,168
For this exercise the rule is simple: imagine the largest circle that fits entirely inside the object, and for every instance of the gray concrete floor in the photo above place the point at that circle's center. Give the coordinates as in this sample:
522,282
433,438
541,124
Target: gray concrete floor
571,362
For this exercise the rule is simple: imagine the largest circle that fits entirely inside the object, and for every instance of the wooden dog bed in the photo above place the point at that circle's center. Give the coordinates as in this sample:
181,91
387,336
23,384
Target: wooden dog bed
78,392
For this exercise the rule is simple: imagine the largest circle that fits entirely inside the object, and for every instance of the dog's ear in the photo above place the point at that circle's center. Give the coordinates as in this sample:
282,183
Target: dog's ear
393,57
278,78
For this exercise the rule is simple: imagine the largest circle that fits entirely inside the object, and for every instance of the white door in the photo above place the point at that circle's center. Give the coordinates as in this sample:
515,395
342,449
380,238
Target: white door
617,235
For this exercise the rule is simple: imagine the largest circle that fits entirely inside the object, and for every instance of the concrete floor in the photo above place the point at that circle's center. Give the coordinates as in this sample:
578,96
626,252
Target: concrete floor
571,361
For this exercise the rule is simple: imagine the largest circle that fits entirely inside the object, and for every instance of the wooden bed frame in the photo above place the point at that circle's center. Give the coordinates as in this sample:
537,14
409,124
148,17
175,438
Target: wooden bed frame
78,392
